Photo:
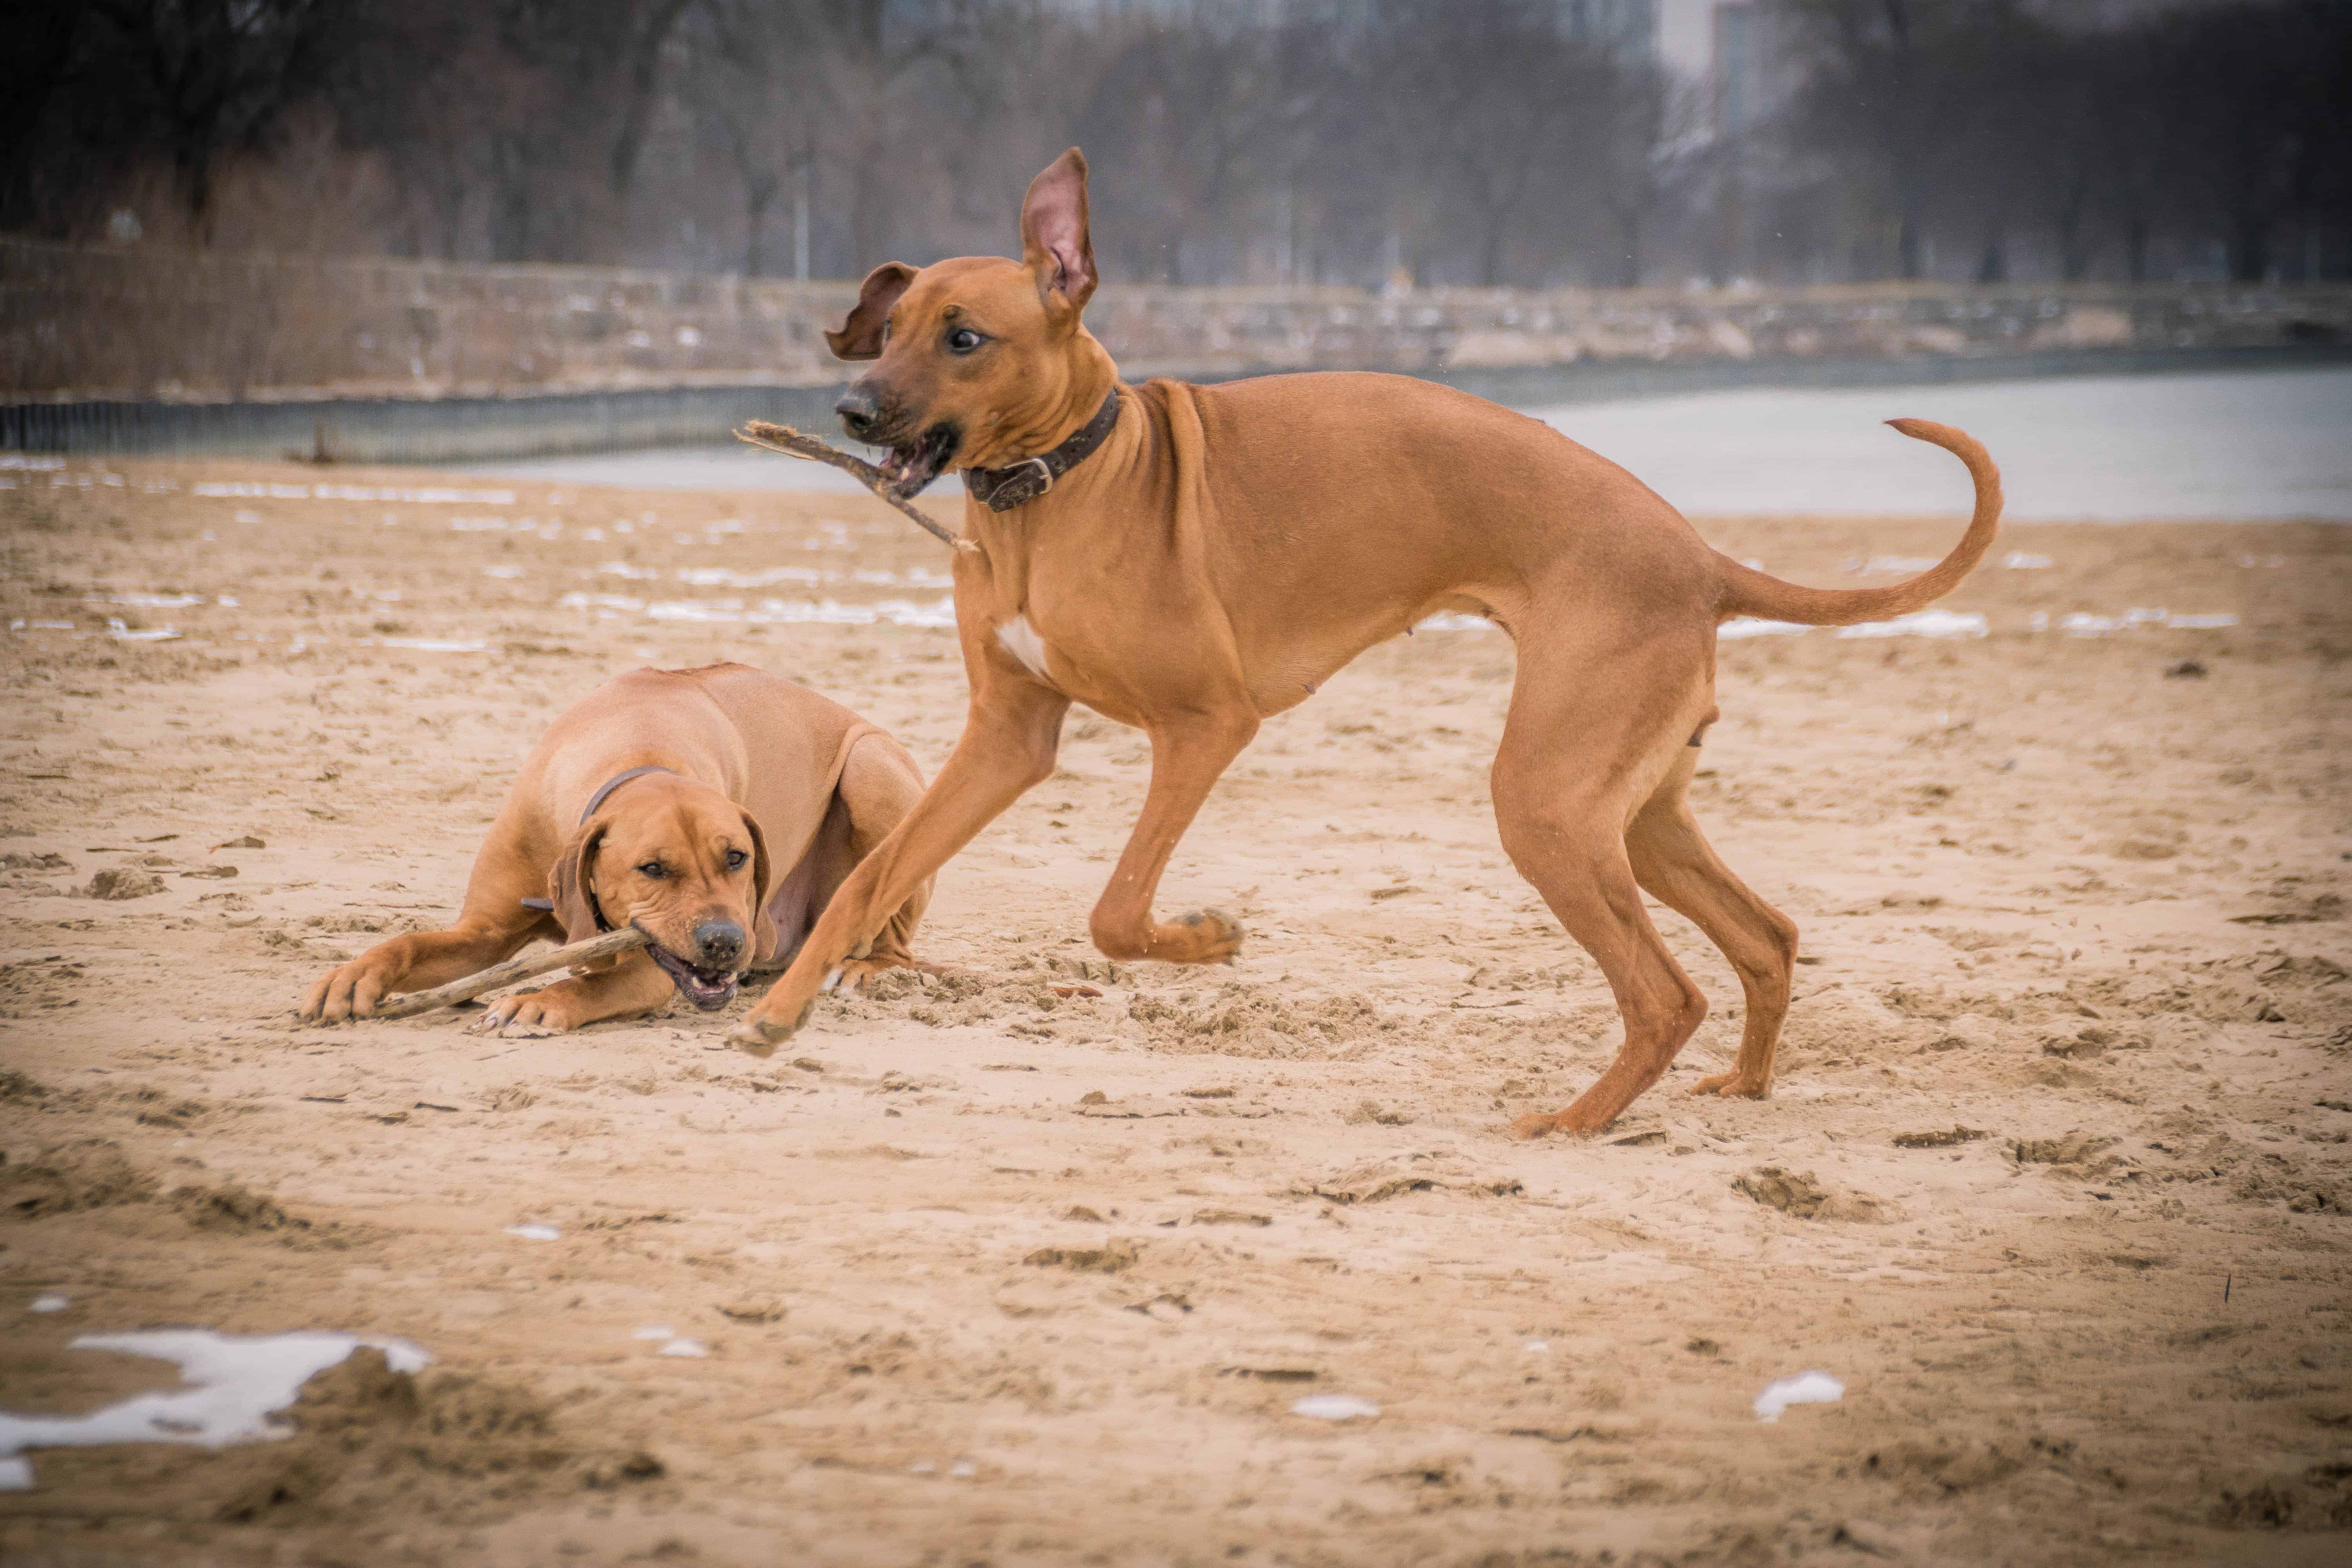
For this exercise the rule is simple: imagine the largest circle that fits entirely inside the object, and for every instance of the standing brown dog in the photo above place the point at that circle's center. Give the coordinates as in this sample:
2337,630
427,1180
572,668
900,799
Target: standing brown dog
658,801
1192,560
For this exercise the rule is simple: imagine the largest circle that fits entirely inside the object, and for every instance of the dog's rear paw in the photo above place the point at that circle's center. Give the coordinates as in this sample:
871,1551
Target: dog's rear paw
1534,1124
1205,936
1732,1085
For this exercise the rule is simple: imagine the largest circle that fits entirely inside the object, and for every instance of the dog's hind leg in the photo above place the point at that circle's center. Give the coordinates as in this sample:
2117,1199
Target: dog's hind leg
1187,758
1675,862
1589,732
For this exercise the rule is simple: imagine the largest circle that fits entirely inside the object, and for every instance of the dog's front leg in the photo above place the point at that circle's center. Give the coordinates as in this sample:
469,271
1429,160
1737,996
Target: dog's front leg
632,986
1008,745
1187,757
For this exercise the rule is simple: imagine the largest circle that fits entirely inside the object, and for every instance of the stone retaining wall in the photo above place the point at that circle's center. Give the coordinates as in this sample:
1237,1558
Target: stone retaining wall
143,325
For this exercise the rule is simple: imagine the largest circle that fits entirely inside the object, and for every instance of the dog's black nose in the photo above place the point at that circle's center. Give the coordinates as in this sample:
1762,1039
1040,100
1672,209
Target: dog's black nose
721,942
860,412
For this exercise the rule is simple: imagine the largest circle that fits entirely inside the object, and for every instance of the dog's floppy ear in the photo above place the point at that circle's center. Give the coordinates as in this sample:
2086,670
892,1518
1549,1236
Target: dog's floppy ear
763,924
567,882
1055,240
861,336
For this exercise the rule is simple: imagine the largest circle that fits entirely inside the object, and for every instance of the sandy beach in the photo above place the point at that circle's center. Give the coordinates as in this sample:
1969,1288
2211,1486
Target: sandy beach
1037,1263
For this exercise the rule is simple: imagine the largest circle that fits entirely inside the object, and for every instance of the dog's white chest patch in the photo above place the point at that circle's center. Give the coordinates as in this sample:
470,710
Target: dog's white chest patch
1022,641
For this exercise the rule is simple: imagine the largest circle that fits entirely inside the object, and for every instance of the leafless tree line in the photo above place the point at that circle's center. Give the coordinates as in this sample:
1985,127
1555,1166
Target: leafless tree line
1435,142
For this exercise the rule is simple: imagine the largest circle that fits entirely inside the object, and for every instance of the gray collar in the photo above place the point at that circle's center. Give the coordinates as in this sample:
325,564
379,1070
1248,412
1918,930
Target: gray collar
615,782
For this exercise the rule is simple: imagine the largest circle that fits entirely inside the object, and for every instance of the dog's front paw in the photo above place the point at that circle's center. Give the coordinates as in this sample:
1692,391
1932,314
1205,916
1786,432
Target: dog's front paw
758,1036
530,1016
348,991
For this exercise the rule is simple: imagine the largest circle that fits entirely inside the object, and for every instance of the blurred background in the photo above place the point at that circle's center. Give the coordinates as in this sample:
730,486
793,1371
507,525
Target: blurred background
1527,143
475,230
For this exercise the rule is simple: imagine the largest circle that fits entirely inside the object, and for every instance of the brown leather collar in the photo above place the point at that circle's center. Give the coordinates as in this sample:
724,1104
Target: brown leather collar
1001,490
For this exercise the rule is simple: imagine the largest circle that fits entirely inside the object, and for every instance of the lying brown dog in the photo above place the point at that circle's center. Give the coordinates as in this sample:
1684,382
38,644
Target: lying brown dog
716,810
1193,558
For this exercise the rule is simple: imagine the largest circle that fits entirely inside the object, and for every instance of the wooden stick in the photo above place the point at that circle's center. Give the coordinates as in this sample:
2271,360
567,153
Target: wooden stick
793,443
507,973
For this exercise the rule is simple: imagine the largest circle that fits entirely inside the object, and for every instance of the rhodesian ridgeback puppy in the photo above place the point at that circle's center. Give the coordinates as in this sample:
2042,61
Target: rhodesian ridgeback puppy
1192,560
718,810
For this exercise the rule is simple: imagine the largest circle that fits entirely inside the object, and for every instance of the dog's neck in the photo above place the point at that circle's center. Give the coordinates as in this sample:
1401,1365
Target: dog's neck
1068,392
1001,490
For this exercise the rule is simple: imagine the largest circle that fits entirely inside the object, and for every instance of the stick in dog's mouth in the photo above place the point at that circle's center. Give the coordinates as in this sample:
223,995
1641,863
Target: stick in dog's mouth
709,989
793,443
916,463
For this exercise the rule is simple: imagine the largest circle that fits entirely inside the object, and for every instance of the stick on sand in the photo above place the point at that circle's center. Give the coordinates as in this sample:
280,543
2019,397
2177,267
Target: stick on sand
793,443
507,973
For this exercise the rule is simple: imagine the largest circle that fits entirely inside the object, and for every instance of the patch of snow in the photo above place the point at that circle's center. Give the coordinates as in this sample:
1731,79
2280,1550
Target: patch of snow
1923,623
234,1385
1805,1388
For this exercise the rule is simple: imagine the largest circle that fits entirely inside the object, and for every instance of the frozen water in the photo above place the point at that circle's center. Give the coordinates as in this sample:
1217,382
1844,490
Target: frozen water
2266,444
684,1347
49,1304
1334,1407
535,1231
2247,445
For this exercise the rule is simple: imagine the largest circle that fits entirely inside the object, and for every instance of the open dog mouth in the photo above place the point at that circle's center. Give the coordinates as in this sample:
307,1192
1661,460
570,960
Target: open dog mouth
709,989
915,463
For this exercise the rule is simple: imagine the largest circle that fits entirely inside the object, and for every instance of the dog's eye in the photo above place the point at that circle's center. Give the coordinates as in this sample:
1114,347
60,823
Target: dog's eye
654,869
735,859
963,340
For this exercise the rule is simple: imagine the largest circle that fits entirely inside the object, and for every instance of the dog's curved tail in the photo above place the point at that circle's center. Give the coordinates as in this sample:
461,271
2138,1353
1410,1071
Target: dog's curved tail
1748,592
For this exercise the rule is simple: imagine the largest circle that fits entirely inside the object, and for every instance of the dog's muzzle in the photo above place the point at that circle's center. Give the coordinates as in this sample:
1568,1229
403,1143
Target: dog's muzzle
915,456
709,989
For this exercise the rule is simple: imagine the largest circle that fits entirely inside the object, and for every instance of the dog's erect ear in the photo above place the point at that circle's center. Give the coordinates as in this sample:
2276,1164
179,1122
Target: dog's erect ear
861,336
763,924
568,883
1054,235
